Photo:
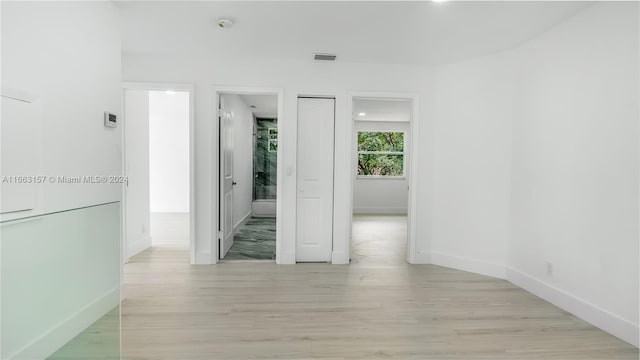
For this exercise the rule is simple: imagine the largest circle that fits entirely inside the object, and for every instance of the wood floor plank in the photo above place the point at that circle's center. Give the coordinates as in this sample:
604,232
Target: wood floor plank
378,307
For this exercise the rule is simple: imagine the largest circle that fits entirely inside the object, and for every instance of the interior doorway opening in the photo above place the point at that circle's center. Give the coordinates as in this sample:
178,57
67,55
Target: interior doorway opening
382,139
248,167
157,160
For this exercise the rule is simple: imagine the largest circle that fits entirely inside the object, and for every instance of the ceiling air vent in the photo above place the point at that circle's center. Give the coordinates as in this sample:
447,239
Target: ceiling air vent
324,57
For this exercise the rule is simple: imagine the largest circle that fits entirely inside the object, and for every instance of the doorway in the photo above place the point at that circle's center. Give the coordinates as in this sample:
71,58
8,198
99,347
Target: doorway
157,160
382,179
248,165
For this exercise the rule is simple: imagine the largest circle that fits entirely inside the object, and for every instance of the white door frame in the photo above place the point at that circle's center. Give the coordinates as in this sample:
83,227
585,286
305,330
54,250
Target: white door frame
153,86
215,162
413,162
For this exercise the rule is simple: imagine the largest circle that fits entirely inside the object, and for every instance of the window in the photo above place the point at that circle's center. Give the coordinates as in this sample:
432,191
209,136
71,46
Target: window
380,153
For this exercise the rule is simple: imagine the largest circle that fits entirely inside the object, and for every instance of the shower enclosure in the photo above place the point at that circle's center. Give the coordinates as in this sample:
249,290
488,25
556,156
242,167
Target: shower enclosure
265,149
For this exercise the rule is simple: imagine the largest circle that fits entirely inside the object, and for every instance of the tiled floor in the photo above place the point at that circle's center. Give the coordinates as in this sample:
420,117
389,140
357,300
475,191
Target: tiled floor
256,240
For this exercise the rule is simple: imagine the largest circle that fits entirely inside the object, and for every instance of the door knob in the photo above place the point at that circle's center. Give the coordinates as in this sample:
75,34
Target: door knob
234,183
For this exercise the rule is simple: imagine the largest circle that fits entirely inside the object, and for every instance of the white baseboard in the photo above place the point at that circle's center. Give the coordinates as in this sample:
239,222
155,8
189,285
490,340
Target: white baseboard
380,210
421,258
58,335
240,223
203,258
339,258
264,208
468,264
581,308
288,258
138,246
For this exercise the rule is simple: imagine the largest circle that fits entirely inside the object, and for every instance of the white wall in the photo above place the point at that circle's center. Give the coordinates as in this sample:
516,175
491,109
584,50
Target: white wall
74,74
380,195
136,142
574,199
169,151
294,77
68,54
242,157
474,111
536,162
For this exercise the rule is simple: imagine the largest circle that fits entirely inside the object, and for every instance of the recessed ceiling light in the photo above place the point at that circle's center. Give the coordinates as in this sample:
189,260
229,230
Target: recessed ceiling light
362,114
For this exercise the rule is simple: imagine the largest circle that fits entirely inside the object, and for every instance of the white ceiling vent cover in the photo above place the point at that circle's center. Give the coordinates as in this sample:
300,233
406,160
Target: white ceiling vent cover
324,57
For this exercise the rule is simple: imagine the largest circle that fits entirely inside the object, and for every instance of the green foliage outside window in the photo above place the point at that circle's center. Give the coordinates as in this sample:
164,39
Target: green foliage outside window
380,153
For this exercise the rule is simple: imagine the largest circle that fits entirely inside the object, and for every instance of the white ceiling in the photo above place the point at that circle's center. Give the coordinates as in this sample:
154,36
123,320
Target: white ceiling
381,110
422,32
266,106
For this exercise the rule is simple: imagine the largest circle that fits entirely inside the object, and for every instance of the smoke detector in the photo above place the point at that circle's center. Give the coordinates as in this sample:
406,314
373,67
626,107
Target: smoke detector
225,23
324,57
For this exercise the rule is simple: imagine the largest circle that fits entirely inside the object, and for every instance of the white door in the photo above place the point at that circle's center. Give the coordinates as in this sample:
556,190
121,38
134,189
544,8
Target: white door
314,225
136,167
226,179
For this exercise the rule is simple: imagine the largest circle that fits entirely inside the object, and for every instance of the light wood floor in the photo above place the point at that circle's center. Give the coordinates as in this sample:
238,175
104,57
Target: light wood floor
376,308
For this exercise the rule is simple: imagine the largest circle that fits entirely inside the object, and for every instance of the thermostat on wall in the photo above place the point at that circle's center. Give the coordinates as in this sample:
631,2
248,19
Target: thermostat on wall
109,119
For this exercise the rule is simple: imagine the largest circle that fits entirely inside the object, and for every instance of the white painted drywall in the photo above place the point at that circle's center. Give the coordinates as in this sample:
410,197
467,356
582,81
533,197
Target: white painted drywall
68,54
536,162
136,142
380,195
574,198
474,111
169,151
242,157
74,74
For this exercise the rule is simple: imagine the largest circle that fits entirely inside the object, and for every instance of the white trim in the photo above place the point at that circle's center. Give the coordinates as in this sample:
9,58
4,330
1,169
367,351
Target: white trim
214,168
242,221
57,336
422,258
380,177
138,246
204,257
380,210
190,88
581,308
339,257
468,264
411,157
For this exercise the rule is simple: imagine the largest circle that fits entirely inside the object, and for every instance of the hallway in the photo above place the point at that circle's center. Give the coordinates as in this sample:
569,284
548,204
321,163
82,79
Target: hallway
255,240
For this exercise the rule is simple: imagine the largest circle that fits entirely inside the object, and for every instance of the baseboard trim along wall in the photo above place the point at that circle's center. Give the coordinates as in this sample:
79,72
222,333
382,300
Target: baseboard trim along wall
240,223
287,258
380,210
138,246
468,264
581,308
339,258
56,337
204,258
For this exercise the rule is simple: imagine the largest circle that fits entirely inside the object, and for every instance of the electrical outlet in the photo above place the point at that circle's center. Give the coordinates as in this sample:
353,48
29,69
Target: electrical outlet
549,269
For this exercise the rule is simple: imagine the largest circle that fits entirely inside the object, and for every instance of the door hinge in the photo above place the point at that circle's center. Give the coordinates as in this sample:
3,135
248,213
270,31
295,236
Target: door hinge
220,234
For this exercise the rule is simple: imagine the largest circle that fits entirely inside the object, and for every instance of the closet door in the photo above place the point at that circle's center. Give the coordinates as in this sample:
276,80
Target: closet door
314,225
